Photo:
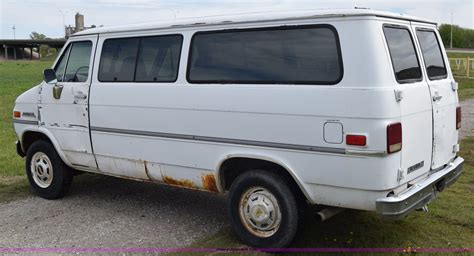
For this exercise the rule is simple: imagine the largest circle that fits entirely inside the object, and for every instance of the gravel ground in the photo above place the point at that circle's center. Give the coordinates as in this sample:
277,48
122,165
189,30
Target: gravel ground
107,212
102,211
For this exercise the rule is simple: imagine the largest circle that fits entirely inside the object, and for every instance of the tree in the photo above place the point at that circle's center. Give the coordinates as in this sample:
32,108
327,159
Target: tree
462,37
37,36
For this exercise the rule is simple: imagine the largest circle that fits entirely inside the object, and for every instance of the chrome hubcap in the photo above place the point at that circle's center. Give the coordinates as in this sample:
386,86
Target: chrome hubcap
41,170
260,212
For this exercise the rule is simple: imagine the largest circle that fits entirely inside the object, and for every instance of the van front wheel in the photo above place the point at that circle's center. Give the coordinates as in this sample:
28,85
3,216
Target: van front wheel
263,210
49,177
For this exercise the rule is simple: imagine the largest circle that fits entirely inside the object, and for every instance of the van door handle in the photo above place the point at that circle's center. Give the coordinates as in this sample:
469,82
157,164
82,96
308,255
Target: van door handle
80,95
437,97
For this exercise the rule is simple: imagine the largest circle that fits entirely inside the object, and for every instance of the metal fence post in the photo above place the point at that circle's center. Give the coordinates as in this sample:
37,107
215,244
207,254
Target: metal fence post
468,64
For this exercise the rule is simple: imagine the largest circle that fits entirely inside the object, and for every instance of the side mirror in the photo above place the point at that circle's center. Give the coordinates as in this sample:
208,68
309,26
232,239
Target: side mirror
49,75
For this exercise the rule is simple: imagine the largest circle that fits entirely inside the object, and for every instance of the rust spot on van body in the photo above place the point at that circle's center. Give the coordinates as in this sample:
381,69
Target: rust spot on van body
209,183
147,172
180,183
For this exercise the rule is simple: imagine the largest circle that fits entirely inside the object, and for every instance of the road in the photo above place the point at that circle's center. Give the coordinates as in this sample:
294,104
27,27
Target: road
461,50
108,212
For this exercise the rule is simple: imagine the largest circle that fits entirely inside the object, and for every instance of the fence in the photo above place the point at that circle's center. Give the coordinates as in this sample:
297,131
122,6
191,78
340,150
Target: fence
462,67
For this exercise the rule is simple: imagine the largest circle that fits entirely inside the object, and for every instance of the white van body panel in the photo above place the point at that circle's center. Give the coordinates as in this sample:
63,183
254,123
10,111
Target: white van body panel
446,137
67,118
181,133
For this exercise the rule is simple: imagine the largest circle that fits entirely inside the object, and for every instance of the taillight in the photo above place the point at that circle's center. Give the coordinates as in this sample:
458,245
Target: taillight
356,140
458,118
394,138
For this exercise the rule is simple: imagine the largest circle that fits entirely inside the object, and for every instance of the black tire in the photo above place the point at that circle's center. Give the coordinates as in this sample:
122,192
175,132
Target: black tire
286,200
60,180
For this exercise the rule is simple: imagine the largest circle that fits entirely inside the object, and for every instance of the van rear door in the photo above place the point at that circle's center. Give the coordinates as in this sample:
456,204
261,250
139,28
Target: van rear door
413,96
443,93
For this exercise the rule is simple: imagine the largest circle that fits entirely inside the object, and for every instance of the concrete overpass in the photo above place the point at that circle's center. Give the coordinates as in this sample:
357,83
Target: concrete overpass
19,48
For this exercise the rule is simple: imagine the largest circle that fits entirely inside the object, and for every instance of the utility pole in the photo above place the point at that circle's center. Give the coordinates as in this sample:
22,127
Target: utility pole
14,32
452,21
64,13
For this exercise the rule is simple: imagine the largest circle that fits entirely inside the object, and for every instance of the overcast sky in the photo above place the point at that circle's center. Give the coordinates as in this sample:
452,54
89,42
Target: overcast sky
45,16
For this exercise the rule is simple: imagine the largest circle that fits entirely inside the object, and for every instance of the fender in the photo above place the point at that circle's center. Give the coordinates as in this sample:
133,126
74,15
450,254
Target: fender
51,137
285,166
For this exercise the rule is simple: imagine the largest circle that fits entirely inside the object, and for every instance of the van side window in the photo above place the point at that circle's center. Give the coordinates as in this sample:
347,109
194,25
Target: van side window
77,69
61,65
402,51
283,55
435,65
158,59
118,60
146,59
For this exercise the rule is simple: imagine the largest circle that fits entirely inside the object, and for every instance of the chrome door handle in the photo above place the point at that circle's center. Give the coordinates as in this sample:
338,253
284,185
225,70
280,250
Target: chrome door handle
80,95
437,97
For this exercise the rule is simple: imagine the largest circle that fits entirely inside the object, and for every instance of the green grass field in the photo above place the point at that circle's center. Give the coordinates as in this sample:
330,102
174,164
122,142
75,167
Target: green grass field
466,86
15,78
460,55
449,224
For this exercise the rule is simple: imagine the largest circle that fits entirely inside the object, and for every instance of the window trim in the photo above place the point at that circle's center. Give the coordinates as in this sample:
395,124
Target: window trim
67,52
69,55
136,61
408,81
290,27
436,78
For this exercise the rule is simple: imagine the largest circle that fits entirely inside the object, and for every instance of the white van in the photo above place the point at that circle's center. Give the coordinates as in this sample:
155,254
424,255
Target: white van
349,109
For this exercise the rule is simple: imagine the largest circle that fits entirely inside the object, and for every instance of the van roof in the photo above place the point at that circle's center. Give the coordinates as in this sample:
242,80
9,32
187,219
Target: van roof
252,17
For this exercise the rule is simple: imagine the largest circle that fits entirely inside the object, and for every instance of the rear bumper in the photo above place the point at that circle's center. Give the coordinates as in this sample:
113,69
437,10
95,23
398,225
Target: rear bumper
421,193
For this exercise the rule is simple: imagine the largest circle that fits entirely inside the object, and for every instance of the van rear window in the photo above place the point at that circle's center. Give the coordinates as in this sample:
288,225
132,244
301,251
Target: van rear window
282,55
402,51
432,55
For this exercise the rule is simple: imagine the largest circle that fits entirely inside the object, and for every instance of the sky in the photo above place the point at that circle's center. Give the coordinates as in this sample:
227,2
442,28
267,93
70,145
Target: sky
46,16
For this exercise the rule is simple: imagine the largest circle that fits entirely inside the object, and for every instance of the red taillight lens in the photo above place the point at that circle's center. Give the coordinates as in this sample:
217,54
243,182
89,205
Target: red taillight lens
458,118
356,140
394,138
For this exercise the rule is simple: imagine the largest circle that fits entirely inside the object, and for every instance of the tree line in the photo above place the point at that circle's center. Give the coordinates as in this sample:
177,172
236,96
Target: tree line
462,37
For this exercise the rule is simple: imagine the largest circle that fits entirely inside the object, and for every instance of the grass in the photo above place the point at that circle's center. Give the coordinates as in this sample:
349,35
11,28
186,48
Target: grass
466,88
460,55
15,78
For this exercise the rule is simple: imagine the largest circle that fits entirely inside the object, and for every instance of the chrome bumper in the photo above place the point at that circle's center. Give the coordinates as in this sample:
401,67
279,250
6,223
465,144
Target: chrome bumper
421,193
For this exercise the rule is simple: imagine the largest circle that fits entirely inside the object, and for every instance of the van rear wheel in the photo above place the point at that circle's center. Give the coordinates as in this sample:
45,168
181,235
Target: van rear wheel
263,209
48,175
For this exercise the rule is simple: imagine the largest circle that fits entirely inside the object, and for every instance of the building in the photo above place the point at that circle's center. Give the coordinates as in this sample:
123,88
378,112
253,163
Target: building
79,26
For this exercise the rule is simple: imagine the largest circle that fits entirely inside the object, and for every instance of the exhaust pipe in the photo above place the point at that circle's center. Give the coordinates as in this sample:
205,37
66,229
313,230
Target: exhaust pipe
327,213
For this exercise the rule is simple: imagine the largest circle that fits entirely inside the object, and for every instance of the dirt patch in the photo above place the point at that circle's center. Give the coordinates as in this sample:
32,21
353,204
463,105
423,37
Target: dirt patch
467,129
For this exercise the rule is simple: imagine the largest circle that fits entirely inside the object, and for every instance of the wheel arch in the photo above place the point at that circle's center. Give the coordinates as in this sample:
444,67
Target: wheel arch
30,135
227,172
